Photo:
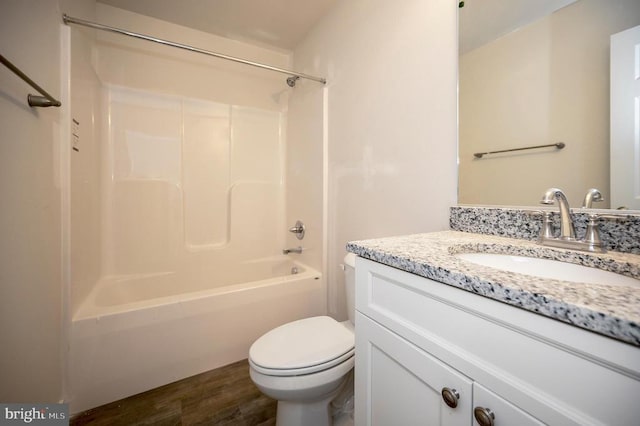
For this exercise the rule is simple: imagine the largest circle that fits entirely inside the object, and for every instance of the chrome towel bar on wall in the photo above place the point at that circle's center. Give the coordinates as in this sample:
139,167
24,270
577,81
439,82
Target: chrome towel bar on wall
558,145
46,100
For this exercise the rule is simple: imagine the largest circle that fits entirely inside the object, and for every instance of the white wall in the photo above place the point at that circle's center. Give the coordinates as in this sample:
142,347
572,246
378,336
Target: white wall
547,82
392,74
31,286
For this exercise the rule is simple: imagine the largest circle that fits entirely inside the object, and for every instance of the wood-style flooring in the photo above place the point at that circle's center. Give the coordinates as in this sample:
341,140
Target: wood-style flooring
224,396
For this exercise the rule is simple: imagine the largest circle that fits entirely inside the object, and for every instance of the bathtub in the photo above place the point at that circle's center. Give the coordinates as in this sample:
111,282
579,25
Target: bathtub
136,333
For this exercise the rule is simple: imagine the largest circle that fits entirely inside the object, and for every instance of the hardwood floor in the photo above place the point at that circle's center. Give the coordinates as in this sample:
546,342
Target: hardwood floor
225,396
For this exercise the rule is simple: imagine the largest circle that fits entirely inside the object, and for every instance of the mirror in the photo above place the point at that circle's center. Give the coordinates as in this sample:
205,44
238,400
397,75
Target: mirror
532,73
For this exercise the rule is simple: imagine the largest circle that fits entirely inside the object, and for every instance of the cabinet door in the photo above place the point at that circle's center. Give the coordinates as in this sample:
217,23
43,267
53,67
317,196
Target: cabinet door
399,384
503,412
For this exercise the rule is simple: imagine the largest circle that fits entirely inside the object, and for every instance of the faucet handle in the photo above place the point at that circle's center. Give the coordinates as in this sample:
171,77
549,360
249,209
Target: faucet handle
592,235
298,229
546,230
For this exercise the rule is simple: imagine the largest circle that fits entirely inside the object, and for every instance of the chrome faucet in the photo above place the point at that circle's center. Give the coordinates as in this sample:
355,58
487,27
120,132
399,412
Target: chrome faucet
297,250
567,229
592,195
567,238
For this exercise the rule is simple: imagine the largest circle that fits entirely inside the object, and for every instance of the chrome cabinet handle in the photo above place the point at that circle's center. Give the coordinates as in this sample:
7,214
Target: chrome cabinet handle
450,396
484,416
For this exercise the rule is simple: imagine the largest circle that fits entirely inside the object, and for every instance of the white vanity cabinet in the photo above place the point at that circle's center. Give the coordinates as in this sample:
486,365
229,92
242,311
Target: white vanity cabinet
415,337
407,386
405,383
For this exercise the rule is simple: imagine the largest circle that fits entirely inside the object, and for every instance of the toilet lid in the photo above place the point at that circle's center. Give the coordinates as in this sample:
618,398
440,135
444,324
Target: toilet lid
304,346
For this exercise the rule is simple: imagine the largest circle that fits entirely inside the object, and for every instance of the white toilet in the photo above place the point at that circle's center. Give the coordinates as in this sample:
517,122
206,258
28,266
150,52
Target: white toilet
306,363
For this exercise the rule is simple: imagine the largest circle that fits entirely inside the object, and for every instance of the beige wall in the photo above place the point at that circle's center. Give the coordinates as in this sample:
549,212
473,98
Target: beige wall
391,69
31,286
545,83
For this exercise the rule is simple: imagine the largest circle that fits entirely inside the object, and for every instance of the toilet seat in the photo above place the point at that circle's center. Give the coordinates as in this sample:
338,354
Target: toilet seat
302,347
302,371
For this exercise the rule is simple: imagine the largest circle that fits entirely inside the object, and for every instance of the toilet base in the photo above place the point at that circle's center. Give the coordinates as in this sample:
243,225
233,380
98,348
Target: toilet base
308,414
304,400
316,413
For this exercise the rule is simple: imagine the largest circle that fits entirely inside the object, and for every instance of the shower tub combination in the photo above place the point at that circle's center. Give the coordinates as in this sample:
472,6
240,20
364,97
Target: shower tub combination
136,333
179,204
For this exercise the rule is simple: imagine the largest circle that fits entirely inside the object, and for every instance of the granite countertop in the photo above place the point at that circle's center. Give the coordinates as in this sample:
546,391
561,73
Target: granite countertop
609,310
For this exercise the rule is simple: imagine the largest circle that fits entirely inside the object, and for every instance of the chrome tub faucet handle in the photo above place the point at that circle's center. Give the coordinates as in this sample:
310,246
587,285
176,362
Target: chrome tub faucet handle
298,229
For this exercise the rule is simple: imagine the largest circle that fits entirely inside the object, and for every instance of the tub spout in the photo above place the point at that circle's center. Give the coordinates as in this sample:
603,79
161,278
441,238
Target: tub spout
297,250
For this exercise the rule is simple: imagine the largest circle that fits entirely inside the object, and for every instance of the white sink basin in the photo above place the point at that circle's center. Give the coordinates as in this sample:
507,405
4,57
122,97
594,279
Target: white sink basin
552,269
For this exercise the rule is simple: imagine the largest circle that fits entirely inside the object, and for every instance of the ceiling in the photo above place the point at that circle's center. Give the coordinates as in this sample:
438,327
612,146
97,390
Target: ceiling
284,23
484,20
274,23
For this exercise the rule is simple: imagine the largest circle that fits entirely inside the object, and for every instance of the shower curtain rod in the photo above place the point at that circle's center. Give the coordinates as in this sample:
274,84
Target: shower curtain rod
290,81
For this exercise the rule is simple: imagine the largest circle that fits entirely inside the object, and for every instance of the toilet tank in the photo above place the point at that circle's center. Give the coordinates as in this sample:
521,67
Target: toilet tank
350,285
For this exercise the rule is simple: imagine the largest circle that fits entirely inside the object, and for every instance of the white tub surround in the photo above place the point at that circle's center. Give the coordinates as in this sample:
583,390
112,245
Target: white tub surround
608,310
178,208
